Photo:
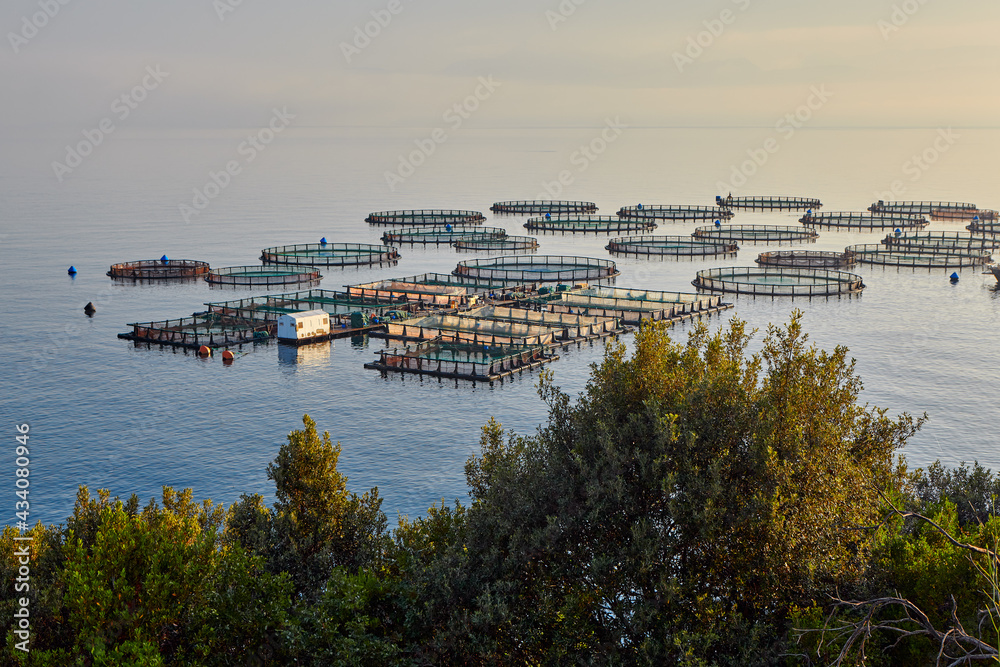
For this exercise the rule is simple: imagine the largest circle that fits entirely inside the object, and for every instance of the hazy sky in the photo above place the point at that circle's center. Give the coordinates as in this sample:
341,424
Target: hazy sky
666,63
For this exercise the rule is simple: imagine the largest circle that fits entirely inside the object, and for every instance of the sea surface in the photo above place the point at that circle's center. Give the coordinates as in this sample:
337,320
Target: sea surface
107,414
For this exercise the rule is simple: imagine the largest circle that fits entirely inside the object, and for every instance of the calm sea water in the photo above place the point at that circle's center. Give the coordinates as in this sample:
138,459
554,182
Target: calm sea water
109,415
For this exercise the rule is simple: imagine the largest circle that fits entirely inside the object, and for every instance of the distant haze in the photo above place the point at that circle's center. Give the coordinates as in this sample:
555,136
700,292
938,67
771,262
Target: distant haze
400,63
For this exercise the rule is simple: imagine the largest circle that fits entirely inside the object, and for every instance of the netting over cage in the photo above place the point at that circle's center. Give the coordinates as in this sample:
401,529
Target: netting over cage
864,221
506,244
678,246
424,217
538,269
599,224
159,269
212,329
569,327
262,275
958,240
462,361
806,259
757,233
667,212
441,234
768,203
541,206
775,281
632,306
330,254
397,291
919,257
928,208
463,329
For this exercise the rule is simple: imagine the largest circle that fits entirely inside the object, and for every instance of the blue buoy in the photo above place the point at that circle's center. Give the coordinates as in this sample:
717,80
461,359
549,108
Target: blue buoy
640,207
954,278
165,259
448,227
898,231
809,212
322,241
71,271
975,218
548,216
718,223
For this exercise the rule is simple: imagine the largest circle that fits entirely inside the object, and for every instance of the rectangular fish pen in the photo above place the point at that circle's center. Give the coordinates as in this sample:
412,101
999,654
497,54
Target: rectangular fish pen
932,209
570,328
394,291
349,315
632,306
461,361
472,284
768,203
463,329
210,329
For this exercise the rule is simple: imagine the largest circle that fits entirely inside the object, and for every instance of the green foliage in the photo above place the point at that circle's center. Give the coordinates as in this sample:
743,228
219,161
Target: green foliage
973,491
317,524
692,488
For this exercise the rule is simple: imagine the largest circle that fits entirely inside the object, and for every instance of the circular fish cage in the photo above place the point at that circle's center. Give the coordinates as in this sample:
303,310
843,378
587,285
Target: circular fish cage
441,234
541,206
538,269
934,209
427,216
657,212
957,240
757,233
806,259
778,281
595,224
919,257
329,254
159,269
677,246
262,275
985,227
506,244
864,221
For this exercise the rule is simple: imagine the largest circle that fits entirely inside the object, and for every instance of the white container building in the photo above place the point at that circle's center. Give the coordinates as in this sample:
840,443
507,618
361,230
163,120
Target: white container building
303,325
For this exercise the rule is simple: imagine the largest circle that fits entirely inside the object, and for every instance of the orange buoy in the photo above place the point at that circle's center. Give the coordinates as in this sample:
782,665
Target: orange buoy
204,351
227,357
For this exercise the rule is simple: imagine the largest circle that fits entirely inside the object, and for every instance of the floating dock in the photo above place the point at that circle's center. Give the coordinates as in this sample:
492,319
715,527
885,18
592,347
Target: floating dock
330,254
919,257
262,276
935,210
674,246
159,269
208,329
806,259
595,224
441,234
775,281
538,269
430,216
864,221
766,203
959,240
673,213
631,306
478,363
542,206
757,233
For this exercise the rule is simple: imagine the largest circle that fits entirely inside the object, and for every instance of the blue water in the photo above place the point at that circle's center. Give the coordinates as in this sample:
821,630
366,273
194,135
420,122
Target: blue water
109,415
